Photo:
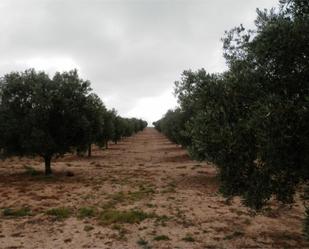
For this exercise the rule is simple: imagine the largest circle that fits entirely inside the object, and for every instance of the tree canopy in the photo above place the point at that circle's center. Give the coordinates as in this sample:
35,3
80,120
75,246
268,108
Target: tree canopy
252,120
49,117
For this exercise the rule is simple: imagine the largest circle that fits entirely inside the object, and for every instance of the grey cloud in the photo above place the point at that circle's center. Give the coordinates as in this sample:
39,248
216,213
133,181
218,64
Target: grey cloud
129,49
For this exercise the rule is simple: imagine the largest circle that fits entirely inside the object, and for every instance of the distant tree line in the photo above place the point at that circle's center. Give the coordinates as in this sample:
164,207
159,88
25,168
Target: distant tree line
252,121
49,117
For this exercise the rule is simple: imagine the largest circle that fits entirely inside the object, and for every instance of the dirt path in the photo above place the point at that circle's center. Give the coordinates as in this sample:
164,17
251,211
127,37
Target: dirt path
144,192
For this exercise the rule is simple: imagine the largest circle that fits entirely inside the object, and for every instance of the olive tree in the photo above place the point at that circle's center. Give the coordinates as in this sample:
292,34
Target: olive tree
43,116
252,120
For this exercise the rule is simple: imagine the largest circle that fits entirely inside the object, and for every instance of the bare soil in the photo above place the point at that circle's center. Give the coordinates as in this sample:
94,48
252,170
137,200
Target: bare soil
177,199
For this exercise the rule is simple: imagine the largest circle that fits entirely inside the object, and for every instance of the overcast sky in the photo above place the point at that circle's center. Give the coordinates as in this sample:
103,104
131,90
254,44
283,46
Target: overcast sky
131,51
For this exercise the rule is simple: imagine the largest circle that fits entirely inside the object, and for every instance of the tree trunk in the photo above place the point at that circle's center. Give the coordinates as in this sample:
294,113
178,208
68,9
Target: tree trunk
89,150
106,144
48,170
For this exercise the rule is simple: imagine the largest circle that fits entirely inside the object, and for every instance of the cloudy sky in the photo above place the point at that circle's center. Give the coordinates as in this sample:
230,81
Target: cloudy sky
132,51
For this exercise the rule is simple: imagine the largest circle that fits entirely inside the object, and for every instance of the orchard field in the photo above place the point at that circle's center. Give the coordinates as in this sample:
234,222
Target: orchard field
144,192
225,168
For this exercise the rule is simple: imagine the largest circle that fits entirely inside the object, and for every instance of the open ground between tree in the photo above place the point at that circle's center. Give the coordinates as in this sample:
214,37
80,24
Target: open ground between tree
144,192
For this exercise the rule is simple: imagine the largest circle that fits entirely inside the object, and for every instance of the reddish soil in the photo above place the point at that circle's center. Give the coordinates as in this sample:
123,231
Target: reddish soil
147,173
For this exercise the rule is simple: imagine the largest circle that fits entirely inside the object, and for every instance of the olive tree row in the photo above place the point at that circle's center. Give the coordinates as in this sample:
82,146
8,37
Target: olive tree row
49,117
253,119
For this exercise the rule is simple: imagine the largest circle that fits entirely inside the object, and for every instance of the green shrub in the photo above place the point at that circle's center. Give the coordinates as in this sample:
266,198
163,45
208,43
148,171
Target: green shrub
86,212
25,211
31,171
161,237
188,238
115,216
59,213
88,228
252,120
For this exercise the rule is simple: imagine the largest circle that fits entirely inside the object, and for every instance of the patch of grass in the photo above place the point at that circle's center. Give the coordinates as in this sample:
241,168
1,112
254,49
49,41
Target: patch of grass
305,195
169,188
86,212
88,228
60,213
171,198
161,237
88,196
234,235
188,238
306,225
118,197
121,231
49,178
116,227
109,216
142,193
24,211
150,205
108,205
143,243
29,170
162,220
196,166
121,197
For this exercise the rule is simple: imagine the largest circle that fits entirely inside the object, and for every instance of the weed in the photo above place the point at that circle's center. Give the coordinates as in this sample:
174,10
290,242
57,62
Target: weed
115,216
121,197
188,238
150,205
59,213
86,212
196,166
143,243
161,237
88,228
121,231
30,170
169,188
88,196
162,220
24,211
305,195
234,235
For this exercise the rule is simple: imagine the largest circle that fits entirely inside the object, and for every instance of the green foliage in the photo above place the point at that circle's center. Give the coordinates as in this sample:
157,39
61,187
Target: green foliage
31,171
188,238
173,126
49,117
124,127
234,235
161,237
95,112
25,211
88,228
252,120
85,212
42,116
143,243
111,216
60,213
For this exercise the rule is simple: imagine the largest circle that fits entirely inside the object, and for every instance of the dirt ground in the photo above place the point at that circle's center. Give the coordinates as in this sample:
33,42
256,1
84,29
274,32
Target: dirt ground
144,192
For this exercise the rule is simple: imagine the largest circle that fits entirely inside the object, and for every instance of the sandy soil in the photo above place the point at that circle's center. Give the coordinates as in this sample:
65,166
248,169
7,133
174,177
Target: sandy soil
146,173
